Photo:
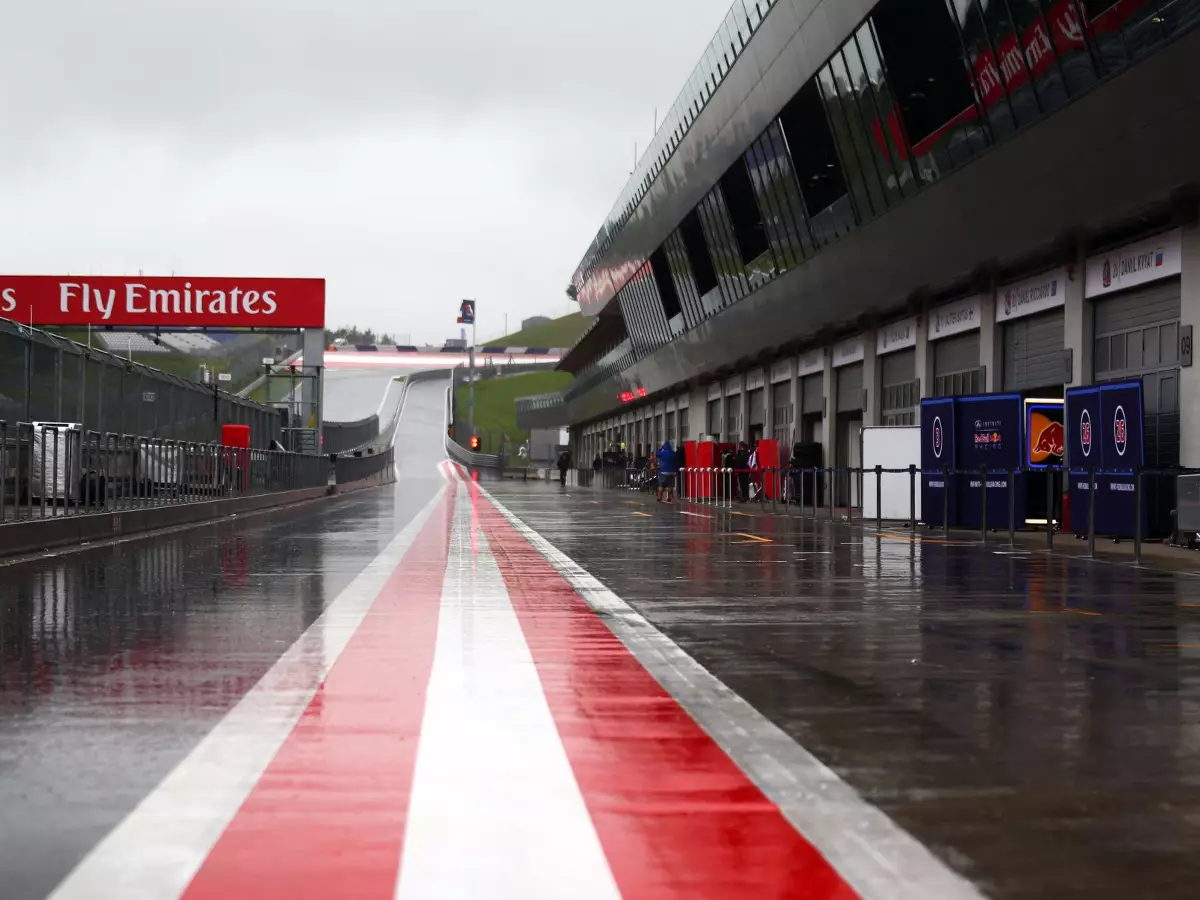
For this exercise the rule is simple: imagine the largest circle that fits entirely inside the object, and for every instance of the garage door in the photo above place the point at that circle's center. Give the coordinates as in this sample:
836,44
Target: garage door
956,368
850,388
1033,353
812,394
901,393
1137,337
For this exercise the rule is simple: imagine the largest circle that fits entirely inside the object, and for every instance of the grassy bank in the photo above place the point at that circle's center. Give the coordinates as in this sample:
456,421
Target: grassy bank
496,404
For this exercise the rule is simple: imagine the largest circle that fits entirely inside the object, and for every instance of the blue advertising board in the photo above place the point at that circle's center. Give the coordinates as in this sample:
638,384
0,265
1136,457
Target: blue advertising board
937,453
989,430
1106,434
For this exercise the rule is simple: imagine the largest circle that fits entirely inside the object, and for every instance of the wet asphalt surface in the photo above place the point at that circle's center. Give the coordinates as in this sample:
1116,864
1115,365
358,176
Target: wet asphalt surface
116,661
1034,720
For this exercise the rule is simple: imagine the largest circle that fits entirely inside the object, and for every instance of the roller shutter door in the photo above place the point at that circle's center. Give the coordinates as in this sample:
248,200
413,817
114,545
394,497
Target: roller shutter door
1137,338
812,394
757,411
899,367
1033,352
850,388
959,353
900,396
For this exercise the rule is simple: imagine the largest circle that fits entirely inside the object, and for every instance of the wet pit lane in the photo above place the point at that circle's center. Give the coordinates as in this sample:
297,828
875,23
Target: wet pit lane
1033,719
116,661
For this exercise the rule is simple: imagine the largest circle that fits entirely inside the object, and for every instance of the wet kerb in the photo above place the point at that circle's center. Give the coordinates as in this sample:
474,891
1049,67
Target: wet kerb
1031,718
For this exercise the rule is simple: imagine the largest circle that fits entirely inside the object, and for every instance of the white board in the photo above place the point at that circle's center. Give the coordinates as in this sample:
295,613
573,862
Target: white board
895,447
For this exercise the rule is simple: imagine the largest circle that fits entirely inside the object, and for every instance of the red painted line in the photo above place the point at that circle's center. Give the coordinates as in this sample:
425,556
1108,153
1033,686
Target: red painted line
676,817
327,818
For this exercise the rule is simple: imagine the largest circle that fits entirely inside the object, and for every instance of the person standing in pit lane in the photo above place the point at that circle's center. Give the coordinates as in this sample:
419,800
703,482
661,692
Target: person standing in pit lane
667,468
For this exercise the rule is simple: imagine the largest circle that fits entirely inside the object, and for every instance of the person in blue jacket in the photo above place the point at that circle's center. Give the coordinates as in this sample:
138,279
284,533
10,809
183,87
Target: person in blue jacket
668,466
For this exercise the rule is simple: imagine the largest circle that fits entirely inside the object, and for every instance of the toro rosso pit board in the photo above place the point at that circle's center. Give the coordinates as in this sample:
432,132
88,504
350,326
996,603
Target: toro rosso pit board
1105,433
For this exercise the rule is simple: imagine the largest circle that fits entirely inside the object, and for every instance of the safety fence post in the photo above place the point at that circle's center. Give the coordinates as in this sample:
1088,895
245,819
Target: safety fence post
983,470
912,500
1092,511
946,501
1137,515
833,493
1012,507
879,498
814,491
1049,509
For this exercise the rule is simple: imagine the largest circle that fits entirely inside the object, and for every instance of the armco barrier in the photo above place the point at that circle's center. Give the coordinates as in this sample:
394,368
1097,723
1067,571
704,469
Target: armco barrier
343,436
365,467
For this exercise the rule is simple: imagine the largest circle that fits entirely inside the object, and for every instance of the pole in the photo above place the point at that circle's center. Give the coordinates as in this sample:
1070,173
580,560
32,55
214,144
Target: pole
471,383
1092,511
1049,508
1137,516
983,472
1012,507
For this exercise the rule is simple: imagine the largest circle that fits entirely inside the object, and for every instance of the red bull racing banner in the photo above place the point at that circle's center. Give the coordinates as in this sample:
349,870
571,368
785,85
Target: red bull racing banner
1105,434
938,453
989,435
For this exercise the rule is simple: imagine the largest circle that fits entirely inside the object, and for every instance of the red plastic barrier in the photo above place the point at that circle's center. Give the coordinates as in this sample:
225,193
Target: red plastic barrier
705,454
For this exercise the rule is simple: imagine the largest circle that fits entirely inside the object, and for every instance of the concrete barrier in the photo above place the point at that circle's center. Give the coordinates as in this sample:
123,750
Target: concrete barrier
19,538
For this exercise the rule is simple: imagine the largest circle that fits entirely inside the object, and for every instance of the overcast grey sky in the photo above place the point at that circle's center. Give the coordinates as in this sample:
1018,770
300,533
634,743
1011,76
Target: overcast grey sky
412,152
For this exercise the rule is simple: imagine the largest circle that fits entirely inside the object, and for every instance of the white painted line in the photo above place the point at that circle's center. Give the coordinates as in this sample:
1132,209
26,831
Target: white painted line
495,811
878,858
684,512
154,853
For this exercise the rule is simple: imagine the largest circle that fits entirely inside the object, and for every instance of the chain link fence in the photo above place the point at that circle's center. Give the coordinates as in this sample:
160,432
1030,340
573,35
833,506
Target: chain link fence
46,378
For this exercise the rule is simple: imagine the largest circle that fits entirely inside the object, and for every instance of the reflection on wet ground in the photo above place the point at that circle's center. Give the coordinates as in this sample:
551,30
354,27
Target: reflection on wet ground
1034,719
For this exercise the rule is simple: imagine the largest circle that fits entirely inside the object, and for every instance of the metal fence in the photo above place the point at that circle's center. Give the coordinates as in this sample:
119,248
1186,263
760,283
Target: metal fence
55,470
368,466
343,436
810,491
46,378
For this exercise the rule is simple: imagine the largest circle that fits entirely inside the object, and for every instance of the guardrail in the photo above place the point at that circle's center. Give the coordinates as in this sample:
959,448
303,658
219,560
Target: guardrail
366,466
57,470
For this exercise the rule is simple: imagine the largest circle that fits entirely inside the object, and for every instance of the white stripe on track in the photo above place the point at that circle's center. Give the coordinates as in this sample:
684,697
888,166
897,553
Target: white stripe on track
156,851
495,811
878,858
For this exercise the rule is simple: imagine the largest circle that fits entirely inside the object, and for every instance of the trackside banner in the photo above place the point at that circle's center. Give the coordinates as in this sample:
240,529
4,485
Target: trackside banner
164,302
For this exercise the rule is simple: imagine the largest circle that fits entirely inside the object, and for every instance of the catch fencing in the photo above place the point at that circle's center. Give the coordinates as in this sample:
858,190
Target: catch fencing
47,378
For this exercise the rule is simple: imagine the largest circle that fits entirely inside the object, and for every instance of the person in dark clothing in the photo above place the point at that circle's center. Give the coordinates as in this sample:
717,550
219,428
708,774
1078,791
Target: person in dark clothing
795,465
597,463
666,471
741,464
564,463
680,465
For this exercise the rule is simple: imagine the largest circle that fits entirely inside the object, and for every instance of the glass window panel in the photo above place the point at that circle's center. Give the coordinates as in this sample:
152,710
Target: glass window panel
1168,336
874,144
932,87
835,107
887,130
1150,353
1101,362
817,166
786,190
1118,352
1010,59
981,53
773,221
1126,30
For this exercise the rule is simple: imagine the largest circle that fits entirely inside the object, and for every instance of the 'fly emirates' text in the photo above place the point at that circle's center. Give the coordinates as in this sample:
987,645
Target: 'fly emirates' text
138,299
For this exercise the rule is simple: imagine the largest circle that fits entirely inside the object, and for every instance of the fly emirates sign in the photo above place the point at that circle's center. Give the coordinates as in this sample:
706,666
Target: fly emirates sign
164,302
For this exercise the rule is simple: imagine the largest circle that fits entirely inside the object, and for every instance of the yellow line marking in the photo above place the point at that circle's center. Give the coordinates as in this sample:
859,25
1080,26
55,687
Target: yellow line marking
744,515
752,538
644,515
684,512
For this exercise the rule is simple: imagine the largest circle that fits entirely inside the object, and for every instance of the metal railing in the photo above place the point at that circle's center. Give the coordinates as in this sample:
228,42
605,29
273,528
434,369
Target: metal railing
343,436
366,466
51,470
809,489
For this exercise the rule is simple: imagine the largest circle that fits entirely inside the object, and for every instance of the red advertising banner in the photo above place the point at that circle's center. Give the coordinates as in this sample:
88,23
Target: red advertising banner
163,302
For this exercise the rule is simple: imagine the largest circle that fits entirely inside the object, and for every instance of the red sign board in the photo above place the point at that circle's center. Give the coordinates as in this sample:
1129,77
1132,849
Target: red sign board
163,302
